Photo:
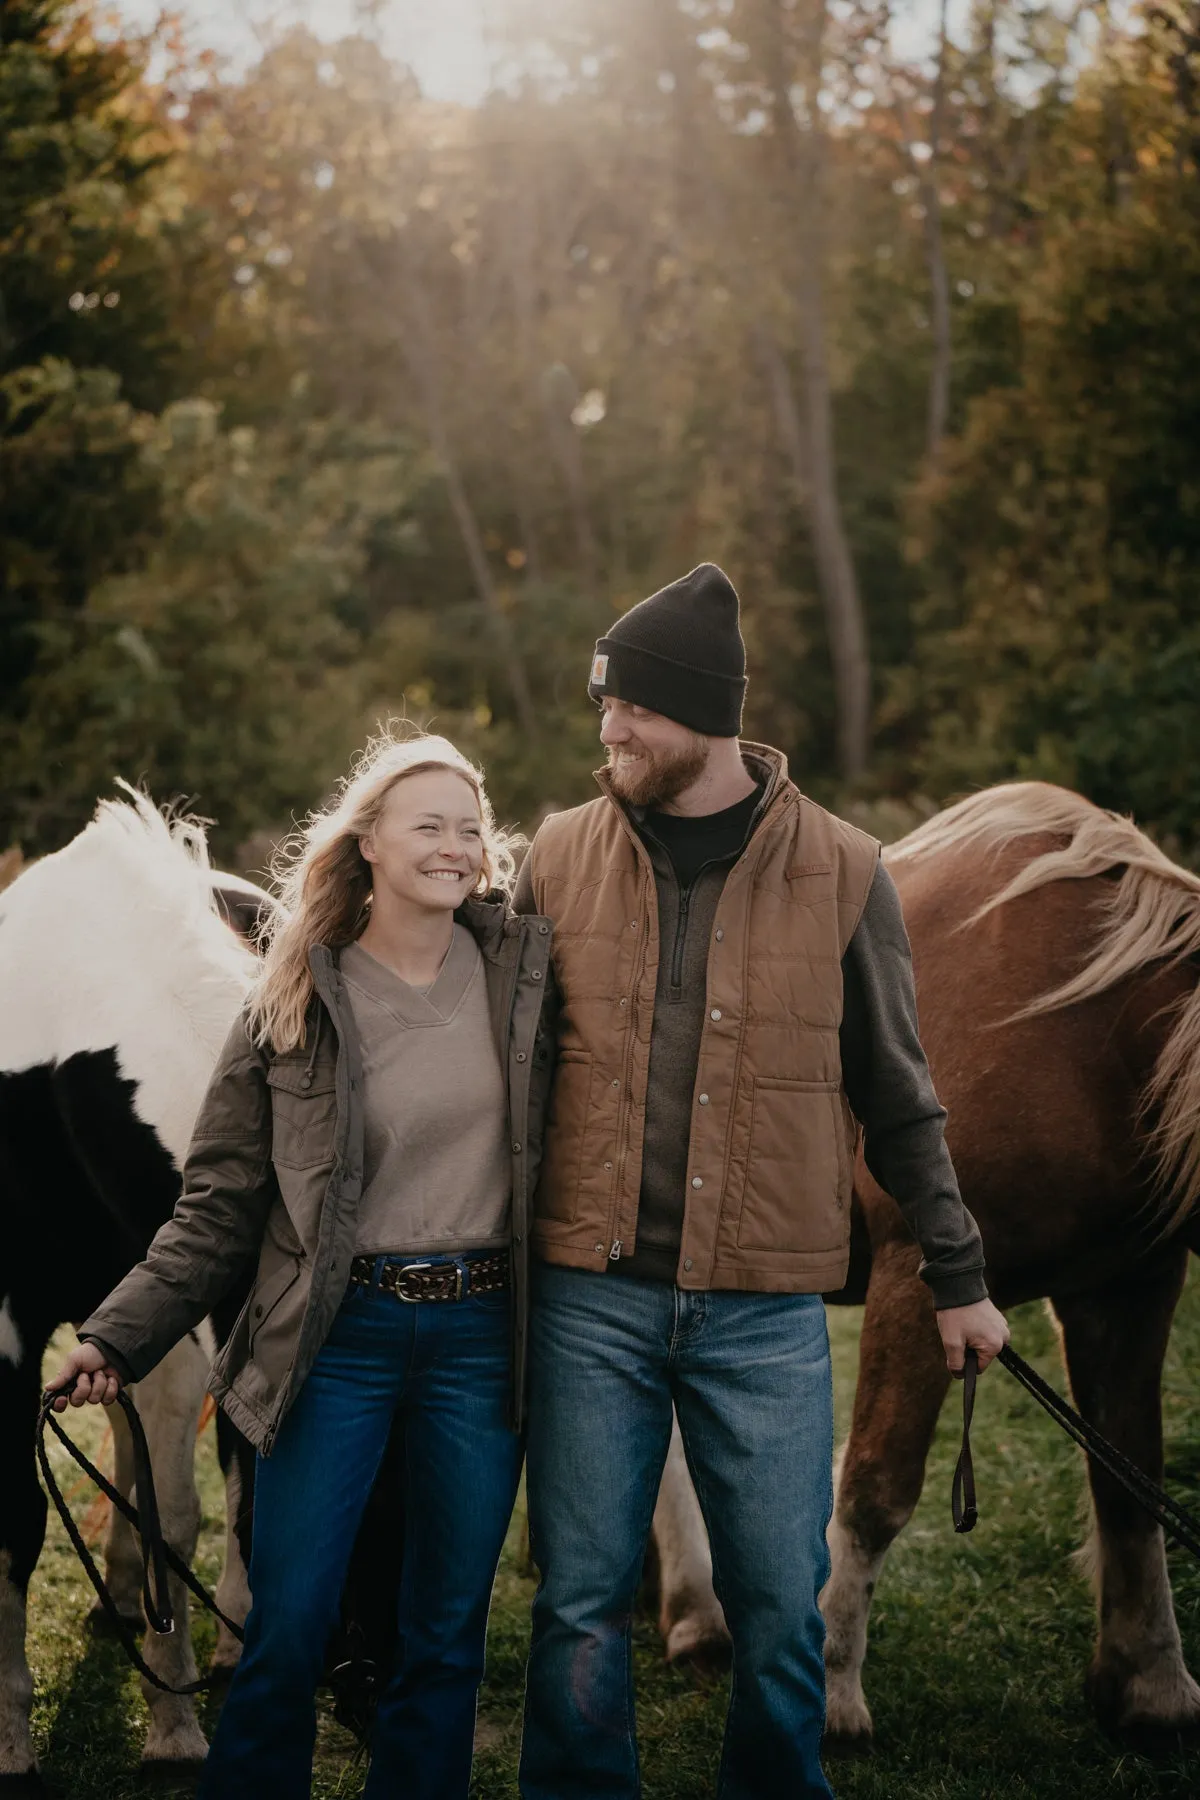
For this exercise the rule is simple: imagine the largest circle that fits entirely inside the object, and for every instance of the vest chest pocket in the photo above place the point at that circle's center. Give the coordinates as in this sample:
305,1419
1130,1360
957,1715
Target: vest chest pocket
798,1172
303,1115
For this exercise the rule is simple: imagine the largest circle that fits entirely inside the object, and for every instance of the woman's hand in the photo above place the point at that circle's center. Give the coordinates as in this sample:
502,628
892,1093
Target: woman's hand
84,1377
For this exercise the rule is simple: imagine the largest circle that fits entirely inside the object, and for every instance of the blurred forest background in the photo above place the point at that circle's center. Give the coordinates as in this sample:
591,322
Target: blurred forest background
321,400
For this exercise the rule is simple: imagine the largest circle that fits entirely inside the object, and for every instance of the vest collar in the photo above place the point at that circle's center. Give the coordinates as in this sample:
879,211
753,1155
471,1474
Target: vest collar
767,764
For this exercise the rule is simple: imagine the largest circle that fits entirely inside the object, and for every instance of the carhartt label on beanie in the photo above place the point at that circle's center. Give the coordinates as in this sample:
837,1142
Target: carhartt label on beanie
680,653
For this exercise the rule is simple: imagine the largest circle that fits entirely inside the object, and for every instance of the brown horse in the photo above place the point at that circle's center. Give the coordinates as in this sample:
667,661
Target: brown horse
1056,952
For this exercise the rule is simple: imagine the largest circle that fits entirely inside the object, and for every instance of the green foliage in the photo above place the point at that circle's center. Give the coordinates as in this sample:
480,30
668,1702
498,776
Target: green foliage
505,369
1061,633
226,667
99,286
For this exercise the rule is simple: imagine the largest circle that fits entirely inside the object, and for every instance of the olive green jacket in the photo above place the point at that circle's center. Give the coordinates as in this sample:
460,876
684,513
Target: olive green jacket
272,1182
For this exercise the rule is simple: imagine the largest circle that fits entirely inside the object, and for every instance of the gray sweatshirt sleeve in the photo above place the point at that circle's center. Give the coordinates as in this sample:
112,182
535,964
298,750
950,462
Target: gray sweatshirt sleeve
890,1091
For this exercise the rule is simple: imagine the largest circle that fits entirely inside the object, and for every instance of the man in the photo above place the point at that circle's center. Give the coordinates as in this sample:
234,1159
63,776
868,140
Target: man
735,985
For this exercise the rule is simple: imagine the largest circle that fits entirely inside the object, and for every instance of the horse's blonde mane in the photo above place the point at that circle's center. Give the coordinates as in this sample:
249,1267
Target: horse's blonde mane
1152,915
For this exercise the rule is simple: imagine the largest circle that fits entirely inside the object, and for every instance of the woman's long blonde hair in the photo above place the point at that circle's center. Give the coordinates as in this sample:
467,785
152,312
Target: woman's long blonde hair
323,881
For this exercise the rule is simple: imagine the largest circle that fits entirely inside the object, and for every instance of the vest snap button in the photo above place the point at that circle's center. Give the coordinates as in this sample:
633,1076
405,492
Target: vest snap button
687,1262
696,1181
704,1099
616,1084
720,933
608,1165
715,1013
599,1249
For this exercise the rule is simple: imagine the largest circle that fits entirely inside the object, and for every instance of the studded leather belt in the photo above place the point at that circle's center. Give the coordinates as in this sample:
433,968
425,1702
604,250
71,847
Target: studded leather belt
412,1281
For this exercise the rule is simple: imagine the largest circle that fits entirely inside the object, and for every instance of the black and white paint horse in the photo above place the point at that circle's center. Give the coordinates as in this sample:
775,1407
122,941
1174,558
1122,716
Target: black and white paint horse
123,962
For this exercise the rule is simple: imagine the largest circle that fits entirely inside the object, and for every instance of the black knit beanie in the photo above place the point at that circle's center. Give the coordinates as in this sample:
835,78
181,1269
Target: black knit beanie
680,653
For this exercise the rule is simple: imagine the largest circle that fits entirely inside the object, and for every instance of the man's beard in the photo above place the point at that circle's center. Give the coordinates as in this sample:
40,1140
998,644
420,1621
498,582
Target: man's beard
658,779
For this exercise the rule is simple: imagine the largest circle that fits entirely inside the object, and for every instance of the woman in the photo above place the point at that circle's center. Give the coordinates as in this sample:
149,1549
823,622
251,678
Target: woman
370,1137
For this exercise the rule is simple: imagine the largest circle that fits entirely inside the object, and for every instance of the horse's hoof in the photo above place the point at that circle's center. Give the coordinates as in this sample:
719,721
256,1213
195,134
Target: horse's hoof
100,1624
1153,1715
700,1644
849,1730
1153,1740
841,1746
169,1775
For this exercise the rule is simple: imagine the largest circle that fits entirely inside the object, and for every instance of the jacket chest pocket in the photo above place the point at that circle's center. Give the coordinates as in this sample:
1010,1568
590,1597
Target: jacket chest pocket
303,1115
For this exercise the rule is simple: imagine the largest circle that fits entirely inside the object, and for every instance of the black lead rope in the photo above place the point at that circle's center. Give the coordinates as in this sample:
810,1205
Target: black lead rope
963,1509
1177,1522
157,1555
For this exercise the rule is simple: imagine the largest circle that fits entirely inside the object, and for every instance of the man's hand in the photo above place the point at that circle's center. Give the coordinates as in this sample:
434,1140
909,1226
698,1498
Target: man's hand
979,1327
86,1378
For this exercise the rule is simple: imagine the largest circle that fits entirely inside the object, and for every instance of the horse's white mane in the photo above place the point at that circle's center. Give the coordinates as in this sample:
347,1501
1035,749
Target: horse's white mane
115,943
1152,914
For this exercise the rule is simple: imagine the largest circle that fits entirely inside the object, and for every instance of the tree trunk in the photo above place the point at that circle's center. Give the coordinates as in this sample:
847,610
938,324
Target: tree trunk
554,410
939,281
806,427
802,150
421,355
557,395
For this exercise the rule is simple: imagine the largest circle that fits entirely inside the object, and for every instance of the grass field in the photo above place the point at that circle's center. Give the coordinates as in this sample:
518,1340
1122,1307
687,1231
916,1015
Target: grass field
978,1645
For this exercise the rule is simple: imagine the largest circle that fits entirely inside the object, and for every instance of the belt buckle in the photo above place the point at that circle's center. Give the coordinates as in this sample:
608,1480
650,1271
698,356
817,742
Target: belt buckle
404,1269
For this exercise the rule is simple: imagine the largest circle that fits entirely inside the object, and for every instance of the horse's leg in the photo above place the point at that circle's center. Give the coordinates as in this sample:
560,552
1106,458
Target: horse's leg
902,1381
22,1531
122,1557
690,1616
169,1401
233,1590
1115,1340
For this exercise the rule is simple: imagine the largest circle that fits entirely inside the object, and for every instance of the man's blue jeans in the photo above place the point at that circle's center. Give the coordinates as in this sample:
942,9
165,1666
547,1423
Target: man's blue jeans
443,1369
749,1375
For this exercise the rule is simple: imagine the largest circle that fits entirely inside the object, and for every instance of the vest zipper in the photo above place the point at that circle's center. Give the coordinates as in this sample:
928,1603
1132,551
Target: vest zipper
614,1214
681,924
681,921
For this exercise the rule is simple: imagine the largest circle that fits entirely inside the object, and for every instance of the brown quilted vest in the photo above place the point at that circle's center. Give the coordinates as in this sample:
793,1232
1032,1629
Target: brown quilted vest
771,1152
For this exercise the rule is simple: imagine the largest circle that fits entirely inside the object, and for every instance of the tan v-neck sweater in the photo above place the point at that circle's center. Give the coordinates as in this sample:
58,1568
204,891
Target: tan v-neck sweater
436,1168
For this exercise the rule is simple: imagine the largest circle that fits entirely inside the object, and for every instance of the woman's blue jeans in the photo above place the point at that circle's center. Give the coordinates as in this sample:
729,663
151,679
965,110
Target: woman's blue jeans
443,1370
749,1375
